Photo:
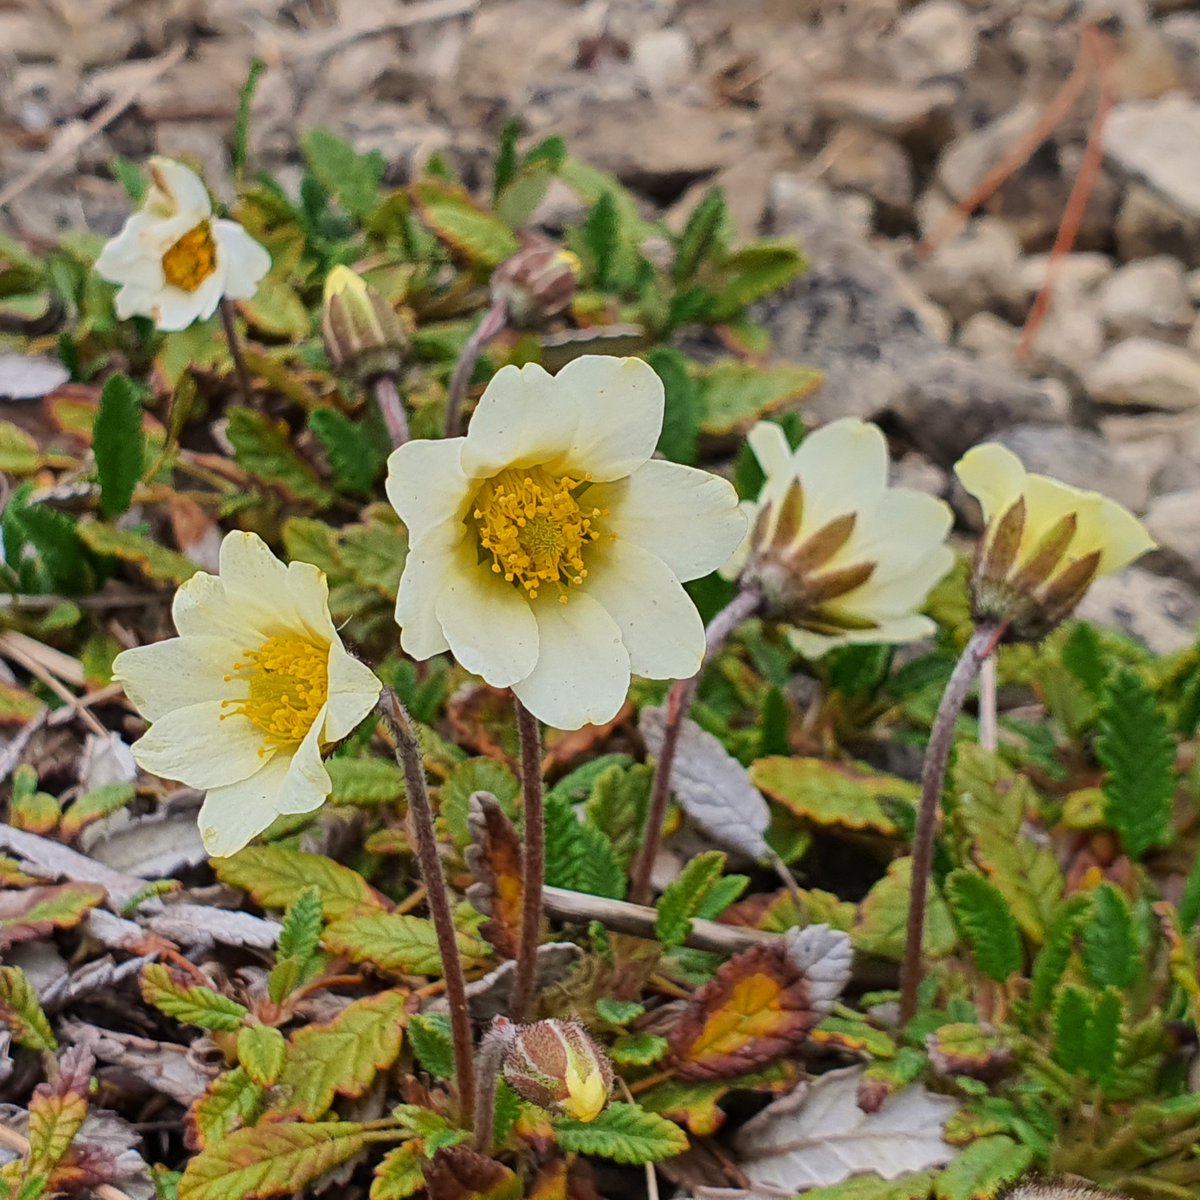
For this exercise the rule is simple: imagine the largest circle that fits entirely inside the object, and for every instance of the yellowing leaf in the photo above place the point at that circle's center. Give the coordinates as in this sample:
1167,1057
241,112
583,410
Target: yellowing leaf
19,453
880,928
21,1012
189,1003
261,1051
694,1104
155,561
399,1173
450,212
735,394
34,912
626,1133
264,448
826,793
275,876
231,1101
404,944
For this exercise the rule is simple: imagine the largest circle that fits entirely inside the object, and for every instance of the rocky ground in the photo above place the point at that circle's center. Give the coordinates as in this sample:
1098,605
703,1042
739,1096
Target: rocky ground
853,125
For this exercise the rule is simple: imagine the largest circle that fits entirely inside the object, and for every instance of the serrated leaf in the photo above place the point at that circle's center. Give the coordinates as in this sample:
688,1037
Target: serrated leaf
269,1160
638,1049
275,876
616,808
1072,1017
402,944
54,536
94,805
450,212
983,1169
356,454
682,411
496,859
703,236
366,782
681,899
155,561
261,1050
1135,747
31,914
910,1186
431,1041
352,177
1111,949
986,923
601,237
459,1173
340,1057
263,447
1051,963
734,395
856,1035
22,1013
58,1110
399,1173
751,273
880,927
191,1004
300,933
885,1077
625,1133
619,1012
119,444
696,1106
830,794
579,856
1104,1036
475,775
965,1048
232,1100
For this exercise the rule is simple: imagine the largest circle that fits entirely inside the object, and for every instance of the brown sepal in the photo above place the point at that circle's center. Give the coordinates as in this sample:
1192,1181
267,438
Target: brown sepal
496,860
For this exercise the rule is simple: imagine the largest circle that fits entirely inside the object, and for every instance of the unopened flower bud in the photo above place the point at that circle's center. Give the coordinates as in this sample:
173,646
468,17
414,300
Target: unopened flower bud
556,1065
362,332
1044,545
537,283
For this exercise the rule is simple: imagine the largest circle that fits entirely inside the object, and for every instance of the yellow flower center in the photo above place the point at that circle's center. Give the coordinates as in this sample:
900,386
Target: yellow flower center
535,529
192,259
289,681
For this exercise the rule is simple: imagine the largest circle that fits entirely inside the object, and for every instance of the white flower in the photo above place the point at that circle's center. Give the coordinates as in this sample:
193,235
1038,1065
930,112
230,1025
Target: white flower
246,698
547,548
174,260
840,556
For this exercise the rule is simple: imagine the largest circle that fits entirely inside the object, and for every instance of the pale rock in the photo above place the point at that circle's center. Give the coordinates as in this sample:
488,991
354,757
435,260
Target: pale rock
1145,372
865,161
915,471
1073,273
1181,428
1149,224
665,60
1068,340
794,198
1158,142
1160,613
969,158
1181,32
1147,297
990,338
892,109
745,185
1193,342
936,38
1193,286
1174,521
974,271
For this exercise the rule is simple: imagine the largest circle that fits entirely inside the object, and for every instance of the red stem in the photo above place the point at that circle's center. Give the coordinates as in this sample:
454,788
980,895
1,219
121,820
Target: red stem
534,863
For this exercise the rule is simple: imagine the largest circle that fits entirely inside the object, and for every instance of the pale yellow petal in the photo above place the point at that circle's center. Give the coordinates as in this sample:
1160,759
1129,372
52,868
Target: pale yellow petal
427,486
231,815
203,745
178,673
993,474
177,189
307,784
429,564
353,691
241,261
842,468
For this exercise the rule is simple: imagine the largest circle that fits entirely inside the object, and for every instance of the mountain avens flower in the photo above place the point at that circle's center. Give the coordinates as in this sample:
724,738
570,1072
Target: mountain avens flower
838,555
1045,542
547,549
174,259
557,1065
246,699
362,331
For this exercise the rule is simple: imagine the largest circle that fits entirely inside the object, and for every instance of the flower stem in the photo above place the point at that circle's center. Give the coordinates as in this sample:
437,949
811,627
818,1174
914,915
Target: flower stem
391,408
408,754
229,320
533,862
743,606
933,776
491,1053
493,321
989,732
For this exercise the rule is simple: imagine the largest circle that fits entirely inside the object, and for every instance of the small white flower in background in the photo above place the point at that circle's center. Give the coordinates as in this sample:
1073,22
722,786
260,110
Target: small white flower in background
174,259
839,556
1045,542
547,549
245,700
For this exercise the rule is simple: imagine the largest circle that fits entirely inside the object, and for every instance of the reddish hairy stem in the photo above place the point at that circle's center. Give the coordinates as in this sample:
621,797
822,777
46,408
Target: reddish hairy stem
229,320
391,408
493,321
533,860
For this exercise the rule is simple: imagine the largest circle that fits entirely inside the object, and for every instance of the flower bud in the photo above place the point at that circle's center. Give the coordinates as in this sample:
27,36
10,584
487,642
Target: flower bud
362,332
556,1065
537,283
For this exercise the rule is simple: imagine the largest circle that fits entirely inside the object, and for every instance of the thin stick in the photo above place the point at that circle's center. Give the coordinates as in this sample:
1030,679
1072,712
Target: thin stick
229,320
10,649
493,321
989,732
533,860
740,608
933,776
408,754
391,408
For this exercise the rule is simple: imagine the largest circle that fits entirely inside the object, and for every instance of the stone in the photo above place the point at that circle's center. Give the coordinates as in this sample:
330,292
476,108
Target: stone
1193,341
1068,340
1193,286
917,472
1074,273
865,161
892,109
797,199
1148,224
1160,613
974,271
664,59
1143,371
990,338
936,38
1148,297
1158,142
1174,521
1181,32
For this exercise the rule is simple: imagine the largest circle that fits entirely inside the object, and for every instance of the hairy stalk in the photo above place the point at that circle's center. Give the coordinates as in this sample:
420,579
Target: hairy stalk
989,729
408,754
493,321
229,320
933,776
533,861
391,408
491,1054
743,606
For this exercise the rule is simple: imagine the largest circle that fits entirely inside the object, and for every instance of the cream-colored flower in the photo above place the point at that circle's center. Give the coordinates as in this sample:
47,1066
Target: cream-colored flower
547,548
1044,544
248,696
174,259
840,556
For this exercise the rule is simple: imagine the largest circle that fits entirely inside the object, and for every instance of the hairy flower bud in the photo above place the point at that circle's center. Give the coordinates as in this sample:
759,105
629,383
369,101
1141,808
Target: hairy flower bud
362,332
537,283
556,1065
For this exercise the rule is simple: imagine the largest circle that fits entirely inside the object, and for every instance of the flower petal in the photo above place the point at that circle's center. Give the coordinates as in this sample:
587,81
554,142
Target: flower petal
177,189
843,468
308,593
620,406
241,260
898,594
1116,532
582,672
659,624
177,673
426,484
203,745
523,419
686,517
231,815
993,474
307,785
256,582
429,564
134,256
353,690
202,608
175,309
902,629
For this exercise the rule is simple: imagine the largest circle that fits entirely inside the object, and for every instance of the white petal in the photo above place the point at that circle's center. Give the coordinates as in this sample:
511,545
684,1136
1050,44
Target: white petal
900,593
733,568
426,484
842,468
256,582
175,309
307,784
308,592
770,446
522,420
177,673
903,629
620,405
993,474
242,261
178,189
202,608
135,300
230,816
582,672
353,690
687,517
199,748
429,564
487,622
134,255
659,624
902,527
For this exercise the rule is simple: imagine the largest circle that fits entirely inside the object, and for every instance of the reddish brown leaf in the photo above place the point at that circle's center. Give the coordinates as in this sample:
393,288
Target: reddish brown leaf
33,913
458,1173
496,859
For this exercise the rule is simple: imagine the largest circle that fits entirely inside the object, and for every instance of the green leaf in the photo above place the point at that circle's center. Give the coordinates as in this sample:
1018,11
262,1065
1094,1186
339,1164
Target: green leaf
475,775
1051,962
681,898
22,1013
263,447
429,1036
983,1169
1137,751
1072,1019
190,1004
623,1132
356,453
261,1051
734,395
830,794
55,537
31,914
448,210
367,782
881,925
873,1187
721,895
92,806
19,452
231,1100
241,124
1111,950
276,876
155,561
987,924
352,177
638,1049
300,934
270,1160
119,444
1189,905
1084,656
403,944
703,237
601,234
617,807
619,1012
1104,1036
399,1173
751,273
683,411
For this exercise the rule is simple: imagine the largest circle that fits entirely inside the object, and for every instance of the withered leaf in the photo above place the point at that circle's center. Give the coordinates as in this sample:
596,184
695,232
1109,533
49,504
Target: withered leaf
495,857
458,1173
33,913
25,377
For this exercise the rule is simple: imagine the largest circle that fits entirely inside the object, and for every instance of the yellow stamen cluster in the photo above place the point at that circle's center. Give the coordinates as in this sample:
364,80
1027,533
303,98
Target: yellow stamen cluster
288,678
535,529
192,259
